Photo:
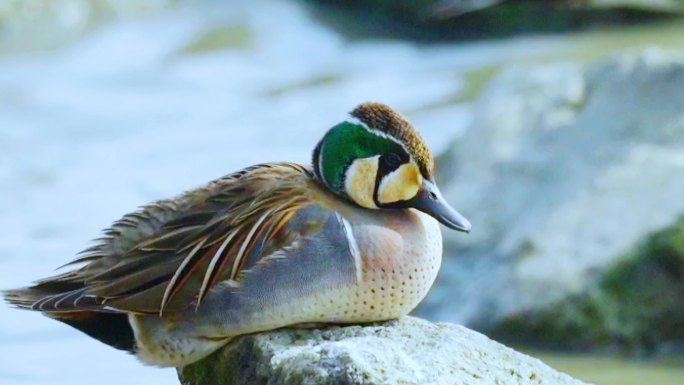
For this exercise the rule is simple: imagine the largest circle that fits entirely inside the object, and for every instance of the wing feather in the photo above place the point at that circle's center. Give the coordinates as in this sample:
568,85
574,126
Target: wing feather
174,285
167,256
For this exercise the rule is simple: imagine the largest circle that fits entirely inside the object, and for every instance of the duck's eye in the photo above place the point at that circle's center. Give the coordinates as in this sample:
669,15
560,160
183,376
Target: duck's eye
391,160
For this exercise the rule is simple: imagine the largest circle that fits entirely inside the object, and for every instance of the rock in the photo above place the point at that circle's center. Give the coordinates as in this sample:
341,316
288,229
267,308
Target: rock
407,351
459,7
638,305
566,169
665,6
439,20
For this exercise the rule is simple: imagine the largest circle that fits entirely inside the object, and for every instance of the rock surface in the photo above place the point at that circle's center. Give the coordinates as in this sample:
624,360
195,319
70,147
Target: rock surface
439,20
638,306
407,351
452,8
463,6
565,170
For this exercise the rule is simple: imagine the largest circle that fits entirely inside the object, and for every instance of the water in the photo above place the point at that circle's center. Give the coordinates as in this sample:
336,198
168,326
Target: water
130,107
603,370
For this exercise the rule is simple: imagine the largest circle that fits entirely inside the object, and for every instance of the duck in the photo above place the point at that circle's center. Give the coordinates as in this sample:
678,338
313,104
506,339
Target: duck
353,238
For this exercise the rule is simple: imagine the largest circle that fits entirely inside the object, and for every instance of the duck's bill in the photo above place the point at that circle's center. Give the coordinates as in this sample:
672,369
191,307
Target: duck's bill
430,201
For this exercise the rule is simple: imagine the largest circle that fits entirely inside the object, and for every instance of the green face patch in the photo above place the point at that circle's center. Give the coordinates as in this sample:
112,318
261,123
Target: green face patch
346,142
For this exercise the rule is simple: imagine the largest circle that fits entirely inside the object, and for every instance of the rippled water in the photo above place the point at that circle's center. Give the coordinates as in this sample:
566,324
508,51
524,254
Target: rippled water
129,109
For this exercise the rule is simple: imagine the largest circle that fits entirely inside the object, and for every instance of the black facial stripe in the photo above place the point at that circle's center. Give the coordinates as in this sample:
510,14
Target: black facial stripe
387,164
315,161
343,178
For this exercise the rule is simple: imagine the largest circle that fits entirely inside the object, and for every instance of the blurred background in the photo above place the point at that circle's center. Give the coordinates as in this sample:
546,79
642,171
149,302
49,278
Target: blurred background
559,127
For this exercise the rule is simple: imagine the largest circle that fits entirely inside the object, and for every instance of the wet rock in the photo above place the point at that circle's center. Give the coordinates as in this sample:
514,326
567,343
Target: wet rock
672,6
638,306
566,170
407,351
437,20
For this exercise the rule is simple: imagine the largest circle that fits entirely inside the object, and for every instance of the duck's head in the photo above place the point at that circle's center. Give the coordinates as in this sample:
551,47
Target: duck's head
379,161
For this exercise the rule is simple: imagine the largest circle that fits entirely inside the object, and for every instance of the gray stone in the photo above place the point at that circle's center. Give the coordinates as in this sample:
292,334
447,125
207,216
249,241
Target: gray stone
566,168
673,6
626,311
407,351
449,20
665,6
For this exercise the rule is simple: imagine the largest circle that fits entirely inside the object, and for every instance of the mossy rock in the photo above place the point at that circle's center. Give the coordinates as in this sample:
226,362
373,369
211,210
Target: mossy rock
408,351
438,20
637,305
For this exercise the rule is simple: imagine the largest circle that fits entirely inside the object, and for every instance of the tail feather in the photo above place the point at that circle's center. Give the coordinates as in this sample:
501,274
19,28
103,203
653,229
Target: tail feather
112,329
52,297
24,298
68,302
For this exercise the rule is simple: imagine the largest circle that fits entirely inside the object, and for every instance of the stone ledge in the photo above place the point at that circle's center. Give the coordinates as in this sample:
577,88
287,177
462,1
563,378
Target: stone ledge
407,351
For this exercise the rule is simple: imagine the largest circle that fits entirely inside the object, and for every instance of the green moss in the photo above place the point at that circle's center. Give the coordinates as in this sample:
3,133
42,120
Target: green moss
230,37
239,368
316,81
608,370
430,21
475,82
590,46
638,304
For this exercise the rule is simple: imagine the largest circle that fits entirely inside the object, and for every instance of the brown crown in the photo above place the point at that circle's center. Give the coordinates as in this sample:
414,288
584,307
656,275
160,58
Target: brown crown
382,118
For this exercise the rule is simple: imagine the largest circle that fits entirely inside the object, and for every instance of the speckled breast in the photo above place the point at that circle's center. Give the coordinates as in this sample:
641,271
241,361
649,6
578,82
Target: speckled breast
397,257
358,266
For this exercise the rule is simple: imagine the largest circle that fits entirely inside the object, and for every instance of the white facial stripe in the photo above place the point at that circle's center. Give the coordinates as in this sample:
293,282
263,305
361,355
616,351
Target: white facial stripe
359,181
400,185
320,163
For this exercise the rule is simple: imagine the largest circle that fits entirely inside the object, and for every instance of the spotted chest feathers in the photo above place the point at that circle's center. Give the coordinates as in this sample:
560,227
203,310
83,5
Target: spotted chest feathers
400,262
399,258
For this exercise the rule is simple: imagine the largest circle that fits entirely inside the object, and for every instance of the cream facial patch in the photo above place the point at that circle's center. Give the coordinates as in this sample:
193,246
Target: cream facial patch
400,185
360,181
